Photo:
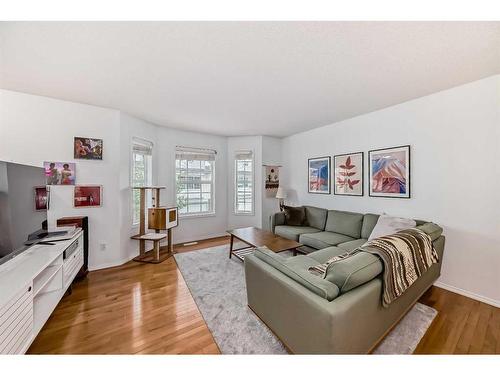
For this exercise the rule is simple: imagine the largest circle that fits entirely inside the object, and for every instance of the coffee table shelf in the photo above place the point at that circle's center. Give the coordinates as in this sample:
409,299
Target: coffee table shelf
255,237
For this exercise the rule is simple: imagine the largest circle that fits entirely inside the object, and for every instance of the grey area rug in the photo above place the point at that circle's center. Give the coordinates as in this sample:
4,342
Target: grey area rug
217,284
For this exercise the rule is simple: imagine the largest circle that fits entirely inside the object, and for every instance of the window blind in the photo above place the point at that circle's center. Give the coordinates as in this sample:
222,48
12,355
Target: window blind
141,146
187,153
243,155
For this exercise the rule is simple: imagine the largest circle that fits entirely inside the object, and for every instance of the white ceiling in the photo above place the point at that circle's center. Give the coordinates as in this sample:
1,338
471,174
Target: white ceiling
245,78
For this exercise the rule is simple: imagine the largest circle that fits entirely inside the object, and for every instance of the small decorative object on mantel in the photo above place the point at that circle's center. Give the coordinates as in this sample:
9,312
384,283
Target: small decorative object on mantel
281,196
348,172
88,148
319,175
41,198
390,172
60,173
87,196
160,218
272,180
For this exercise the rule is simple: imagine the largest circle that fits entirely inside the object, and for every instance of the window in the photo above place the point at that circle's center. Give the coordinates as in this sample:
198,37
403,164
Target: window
194,176
141,173
243,171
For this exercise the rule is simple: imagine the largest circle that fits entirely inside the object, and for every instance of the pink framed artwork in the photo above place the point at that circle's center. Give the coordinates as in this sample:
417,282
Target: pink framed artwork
390,172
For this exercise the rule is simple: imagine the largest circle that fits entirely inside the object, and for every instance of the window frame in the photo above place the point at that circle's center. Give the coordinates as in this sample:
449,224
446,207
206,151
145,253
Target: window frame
148,175
212,212
235,187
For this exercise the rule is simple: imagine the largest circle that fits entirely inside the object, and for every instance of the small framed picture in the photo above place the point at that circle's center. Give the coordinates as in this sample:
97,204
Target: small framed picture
41,198
60,173
319,175
390,172
88,148
348,174
87,196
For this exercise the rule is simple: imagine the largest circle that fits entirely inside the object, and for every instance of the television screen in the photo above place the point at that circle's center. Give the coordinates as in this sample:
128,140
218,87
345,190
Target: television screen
23,207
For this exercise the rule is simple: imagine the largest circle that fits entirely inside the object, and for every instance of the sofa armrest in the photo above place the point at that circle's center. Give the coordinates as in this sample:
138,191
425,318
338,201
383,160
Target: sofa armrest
433,230
277,218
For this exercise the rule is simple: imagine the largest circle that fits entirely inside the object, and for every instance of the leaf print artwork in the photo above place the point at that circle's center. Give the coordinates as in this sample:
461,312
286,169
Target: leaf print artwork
349,174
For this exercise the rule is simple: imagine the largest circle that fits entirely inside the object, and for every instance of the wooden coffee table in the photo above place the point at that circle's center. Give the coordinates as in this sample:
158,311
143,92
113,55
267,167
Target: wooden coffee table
255,237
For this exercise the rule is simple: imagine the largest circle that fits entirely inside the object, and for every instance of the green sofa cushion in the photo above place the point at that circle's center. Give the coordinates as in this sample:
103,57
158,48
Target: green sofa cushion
351,245
316,217
354,271
343,222
315,284
293,232
433,230
369,222
321,256
321,240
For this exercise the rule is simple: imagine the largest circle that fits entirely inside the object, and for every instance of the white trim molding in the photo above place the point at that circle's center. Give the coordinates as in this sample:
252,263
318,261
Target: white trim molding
466,293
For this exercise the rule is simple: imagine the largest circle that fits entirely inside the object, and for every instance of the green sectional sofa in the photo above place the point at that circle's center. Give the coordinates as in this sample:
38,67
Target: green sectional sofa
343,312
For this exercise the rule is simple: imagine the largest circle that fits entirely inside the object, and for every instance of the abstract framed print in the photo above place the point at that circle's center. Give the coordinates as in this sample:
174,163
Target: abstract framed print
41,198
87,196
88,148
319,175
390,172
348,174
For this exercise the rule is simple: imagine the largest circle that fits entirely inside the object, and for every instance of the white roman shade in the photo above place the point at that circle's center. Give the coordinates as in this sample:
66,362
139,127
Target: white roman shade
141,146
188,153
243,155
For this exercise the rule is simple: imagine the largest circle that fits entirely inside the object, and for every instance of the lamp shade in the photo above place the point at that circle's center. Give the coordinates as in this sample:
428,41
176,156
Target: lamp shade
281,193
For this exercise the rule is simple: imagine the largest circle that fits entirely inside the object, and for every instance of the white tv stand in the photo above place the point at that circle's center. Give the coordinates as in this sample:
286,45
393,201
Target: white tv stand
31,286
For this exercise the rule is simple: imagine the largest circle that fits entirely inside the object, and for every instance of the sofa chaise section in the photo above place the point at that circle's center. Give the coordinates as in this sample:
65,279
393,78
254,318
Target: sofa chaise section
351,319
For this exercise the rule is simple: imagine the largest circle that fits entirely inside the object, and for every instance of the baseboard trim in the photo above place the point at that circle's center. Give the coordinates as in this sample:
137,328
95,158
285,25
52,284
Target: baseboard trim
203,238
112,264
466,293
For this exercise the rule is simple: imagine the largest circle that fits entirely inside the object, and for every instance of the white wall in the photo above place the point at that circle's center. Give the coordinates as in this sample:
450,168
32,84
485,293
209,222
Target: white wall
271,155
253,144
34,129
193,228
131,127
455,142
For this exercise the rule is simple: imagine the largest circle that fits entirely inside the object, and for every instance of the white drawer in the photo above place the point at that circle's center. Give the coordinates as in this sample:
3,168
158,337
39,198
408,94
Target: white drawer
16,322
72,265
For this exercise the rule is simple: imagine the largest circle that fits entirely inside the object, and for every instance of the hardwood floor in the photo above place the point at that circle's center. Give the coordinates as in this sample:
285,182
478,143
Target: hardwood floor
147,308
462,326
134,308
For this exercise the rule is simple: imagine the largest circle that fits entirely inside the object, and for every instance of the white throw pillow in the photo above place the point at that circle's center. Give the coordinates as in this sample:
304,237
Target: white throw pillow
387,225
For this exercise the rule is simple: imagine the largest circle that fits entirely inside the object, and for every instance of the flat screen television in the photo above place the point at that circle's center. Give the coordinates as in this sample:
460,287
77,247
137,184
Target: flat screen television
23,208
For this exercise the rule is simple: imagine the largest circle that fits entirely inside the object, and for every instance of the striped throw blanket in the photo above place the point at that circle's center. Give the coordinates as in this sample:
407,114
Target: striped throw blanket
406,255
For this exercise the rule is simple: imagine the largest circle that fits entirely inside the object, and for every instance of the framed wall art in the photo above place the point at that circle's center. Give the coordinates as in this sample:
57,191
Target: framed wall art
87,196
41,198
348,174
88,148
390,172
319,175
60,173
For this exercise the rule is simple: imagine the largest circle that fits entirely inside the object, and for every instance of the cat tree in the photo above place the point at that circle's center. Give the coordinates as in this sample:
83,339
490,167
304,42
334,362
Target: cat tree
159,218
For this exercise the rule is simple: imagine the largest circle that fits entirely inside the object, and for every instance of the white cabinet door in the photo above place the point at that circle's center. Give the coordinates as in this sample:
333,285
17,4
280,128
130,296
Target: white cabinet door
16,322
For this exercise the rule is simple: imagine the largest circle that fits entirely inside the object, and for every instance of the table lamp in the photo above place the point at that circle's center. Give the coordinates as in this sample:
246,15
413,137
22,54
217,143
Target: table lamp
281,195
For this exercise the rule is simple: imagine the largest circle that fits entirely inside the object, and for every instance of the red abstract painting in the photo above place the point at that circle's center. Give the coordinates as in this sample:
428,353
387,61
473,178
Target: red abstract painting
88,196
